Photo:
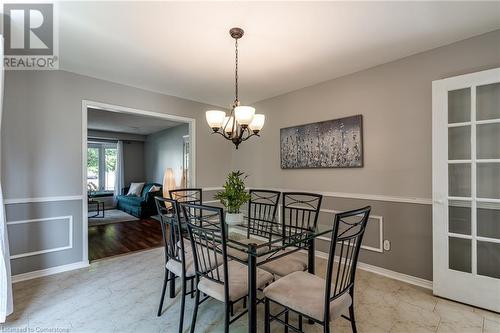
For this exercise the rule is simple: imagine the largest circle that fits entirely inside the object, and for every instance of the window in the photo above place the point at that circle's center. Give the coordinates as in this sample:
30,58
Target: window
101,166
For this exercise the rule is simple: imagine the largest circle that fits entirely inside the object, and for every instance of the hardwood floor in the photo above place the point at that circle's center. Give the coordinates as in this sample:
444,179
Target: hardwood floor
125,237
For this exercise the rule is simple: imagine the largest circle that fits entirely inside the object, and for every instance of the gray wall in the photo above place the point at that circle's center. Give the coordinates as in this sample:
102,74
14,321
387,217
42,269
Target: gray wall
133,162
395,101
42,148
164,150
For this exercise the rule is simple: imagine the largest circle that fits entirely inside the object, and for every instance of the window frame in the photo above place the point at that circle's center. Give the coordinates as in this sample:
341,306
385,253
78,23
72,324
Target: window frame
101,146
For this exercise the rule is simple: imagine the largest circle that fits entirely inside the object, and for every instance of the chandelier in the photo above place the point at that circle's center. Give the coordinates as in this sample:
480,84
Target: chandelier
242,123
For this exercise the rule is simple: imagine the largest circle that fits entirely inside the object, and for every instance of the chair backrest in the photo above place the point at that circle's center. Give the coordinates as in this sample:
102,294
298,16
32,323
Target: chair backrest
347,235
207,234
262,208
187,195
169,213
299,212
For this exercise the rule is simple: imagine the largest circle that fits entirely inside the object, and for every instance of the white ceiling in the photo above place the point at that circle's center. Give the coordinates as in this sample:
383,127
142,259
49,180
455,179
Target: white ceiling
125,123
184,49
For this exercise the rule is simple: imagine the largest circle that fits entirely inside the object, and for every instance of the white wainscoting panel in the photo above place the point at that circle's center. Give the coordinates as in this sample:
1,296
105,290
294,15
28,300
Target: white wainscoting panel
69,218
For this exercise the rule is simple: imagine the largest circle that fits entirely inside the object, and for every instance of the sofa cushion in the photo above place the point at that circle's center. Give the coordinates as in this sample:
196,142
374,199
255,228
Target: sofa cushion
130,200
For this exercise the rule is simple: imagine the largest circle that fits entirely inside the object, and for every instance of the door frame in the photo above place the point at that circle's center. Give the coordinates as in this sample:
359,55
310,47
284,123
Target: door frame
469,294
127,110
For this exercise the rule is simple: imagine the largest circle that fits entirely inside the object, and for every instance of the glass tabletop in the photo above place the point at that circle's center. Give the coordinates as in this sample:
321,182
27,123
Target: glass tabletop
268,239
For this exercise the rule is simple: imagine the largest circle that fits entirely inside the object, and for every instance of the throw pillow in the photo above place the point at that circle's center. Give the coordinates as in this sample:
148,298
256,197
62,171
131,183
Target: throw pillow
135,189
155,188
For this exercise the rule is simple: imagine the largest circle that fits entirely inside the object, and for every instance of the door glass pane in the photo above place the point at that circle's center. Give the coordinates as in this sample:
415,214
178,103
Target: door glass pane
488,259
488,180
110,157
459,180
459,105
459,216
459,143
93,169
488,139
460,254
488,101
488,219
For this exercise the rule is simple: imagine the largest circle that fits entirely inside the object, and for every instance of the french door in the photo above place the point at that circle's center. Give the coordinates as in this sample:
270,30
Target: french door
466,188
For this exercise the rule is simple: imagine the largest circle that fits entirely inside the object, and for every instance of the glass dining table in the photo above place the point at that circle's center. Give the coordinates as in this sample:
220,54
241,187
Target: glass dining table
261,247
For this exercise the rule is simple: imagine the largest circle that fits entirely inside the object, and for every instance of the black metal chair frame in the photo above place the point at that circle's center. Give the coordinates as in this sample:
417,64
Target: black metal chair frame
187,195
262,208
348,242
208,240
169,212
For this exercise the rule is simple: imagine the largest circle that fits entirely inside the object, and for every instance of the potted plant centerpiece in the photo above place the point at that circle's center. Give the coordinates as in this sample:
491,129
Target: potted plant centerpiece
233,197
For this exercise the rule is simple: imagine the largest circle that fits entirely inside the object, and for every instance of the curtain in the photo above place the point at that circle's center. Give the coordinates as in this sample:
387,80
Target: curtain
119,178
6,305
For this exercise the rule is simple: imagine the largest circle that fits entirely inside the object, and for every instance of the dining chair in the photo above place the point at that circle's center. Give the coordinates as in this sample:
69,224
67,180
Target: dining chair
226,283
323,300
261,223
178,263
299,214
187,195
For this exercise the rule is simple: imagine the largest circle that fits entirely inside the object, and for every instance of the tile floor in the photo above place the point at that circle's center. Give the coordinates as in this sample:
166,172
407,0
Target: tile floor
121,295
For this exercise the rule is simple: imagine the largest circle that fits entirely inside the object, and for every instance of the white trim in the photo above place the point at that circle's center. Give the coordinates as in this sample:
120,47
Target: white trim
49,271
467,123
416,281
42,199
488,160
123,109
380,219
360,196
487,121
55,249
214,188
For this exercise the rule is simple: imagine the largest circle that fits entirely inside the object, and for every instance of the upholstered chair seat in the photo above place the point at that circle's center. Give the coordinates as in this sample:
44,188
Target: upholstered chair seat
293,262
175,266
187,245
238,281
305,293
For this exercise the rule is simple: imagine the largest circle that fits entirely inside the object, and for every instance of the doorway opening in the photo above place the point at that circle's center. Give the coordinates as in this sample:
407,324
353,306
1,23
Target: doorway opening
130,156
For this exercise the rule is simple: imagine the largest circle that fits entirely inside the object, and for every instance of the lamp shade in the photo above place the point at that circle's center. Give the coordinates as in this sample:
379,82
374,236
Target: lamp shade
257,122
168,182
244,114
215,118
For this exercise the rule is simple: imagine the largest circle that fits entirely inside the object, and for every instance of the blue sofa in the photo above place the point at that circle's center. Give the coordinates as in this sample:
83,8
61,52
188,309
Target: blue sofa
139,206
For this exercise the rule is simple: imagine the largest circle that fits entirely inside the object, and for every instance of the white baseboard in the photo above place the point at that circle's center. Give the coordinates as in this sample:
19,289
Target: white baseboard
49,271
416,281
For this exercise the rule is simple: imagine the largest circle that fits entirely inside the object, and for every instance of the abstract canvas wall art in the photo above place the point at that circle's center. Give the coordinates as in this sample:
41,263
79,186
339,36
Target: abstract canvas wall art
334,143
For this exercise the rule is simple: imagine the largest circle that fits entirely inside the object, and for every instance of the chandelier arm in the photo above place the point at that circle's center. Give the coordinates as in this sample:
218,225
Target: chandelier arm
223,135
249,135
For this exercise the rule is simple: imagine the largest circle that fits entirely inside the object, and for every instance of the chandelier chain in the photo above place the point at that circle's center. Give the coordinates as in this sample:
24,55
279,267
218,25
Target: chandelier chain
236,72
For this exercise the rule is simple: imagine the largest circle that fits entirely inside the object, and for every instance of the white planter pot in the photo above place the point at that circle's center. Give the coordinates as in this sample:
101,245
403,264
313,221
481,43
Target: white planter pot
234,219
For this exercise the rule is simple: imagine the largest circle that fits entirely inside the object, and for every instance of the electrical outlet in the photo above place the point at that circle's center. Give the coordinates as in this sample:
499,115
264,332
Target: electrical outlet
387,245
